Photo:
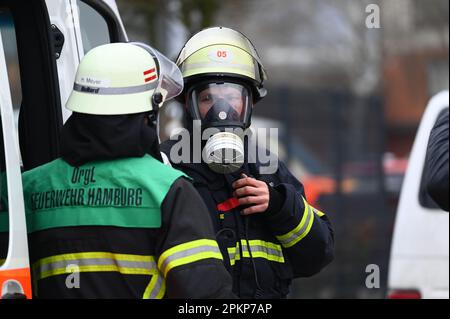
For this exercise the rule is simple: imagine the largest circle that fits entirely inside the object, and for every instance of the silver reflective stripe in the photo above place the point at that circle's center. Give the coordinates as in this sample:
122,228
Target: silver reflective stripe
101,262
258,248
234,252
114,91
191,66
302,230
187,253
96,262
158,286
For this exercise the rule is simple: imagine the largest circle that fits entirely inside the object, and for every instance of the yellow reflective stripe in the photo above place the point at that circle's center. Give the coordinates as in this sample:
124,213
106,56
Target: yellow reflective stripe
94,255
156,288
262,255
299,226
191,259
162,291
211,64
96,268
103,262
2,261
256,242
186,246
305,233
259,249
316,211
232,255
319,213
95,262
188,253
303,228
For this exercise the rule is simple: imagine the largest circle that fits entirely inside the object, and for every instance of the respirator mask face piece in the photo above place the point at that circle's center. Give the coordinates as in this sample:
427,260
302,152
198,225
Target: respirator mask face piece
225,109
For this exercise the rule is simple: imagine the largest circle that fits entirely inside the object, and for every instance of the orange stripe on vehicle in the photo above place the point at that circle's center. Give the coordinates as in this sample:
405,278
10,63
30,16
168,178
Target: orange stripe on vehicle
22,275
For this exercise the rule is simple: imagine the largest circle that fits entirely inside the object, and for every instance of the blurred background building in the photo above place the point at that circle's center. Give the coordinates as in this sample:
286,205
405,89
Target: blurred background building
347,100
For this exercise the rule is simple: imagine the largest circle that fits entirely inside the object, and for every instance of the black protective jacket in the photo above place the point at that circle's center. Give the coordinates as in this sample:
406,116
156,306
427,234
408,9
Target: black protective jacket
107,248
117,262
290,240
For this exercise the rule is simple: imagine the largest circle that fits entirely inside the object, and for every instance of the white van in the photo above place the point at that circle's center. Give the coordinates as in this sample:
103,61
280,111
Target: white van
419,263
41,45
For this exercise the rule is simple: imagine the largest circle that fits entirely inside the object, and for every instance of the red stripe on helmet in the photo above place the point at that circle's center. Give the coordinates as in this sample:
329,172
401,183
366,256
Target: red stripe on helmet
149,71
151,78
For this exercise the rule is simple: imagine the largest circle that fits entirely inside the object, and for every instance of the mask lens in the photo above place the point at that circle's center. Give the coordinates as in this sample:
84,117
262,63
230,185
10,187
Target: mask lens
224,102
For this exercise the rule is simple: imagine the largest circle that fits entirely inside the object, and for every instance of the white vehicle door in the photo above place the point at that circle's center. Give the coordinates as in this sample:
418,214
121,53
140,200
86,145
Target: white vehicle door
78,26
419,264
42,43
14,262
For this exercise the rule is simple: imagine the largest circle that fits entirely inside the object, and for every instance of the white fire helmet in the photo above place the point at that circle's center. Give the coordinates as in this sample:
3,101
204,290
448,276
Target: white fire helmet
124,78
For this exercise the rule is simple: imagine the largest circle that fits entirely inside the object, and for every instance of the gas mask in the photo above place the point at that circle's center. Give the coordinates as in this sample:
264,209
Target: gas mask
224,109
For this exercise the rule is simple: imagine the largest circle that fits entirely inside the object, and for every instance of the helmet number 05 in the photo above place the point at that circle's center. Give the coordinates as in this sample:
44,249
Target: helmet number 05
222,54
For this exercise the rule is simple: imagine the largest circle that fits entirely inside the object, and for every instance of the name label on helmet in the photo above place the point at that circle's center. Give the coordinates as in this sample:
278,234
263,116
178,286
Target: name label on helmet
88,89
93,81
221,55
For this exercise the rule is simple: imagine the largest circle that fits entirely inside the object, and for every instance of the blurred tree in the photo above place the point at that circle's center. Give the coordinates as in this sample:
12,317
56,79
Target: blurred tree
160,21
147,9
198,14
433,13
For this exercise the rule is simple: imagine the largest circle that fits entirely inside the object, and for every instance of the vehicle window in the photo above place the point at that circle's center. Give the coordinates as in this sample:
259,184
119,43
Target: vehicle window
4,225
12,61
8,35
94,28
425,200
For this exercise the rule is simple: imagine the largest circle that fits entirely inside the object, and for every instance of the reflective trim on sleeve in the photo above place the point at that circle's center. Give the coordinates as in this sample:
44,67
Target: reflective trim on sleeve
317,212
2,261
259,249
188,253
293,237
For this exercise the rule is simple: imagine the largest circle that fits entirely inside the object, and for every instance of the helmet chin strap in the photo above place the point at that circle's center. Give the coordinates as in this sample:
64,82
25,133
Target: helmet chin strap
157,99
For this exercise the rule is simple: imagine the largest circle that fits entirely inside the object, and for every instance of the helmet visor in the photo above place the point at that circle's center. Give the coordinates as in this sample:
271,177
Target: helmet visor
221,103
170,82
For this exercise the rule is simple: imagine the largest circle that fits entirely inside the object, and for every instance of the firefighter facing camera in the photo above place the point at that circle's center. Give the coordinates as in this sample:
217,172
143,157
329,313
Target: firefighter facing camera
266,230
223,80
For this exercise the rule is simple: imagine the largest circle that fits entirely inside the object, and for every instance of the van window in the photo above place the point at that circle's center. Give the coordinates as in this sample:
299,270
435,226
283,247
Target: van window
4,225
425,200
8,34
12,61
94,28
